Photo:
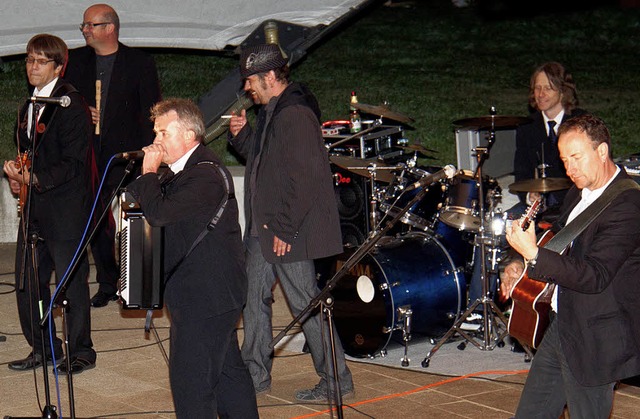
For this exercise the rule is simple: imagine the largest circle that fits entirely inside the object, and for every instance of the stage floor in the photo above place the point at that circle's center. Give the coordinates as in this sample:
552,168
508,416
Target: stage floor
131,377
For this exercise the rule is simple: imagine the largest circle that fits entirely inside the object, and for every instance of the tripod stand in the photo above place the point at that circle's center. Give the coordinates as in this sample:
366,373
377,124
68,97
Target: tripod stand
59,298
494,323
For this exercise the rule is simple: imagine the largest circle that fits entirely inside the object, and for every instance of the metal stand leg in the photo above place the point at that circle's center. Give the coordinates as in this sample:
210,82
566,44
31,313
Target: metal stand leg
149,326
405,314
327,308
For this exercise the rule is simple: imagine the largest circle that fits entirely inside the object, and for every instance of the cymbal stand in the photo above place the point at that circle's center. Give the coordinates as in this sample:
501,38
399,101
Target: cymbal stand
373,202
324,298
493,334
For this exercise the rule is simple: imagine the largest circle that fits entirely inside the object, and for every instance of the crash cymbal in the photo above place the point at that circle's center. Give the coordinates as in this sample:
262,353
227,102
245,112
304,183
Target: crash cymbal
362,167
488,121
547,184
383,111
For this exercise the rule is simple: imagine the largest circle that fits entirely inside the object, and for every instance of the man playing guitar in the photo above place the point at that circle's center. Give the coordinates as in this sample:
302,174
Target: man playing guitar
593,339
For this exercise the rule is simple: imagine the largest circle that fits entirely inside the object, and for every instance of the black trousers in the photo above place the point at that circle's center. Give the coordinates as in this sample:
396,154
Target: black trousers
49,256
551,386
208,377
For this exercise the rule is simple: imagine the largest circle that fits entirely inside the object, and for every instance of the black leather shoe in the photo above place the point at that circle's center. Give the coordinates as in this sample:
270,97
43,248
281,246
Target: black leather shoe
102,298
30,362
77,365
516,347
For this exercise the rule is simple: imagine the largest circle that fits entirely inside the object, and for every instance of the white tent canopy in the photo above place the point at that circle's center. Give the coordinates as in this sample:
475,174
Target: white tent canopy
194,24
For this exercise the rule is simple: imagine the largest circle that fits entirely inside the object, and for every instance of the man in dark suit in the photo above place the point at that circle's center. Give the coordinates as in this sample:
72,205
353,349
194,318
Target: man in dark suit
553,96
129,87
291,212
205,283
54,217
594,336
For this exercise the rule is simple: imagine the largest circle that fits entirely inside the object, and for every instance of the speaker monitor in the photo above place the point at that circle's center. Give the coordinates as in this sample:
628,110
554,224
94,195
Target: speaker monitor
352,197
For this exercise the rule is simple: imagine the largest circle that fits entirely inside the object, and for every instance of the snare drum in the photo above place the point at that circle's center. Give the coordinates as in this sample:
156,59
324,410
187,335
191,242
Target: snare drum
412,272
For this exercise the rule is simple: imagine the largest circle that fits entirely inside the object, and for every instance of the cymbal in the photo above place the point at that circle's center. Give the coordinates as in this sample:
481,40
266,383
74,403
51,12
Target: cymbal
488,121
361,167
547,184
417,147
383,111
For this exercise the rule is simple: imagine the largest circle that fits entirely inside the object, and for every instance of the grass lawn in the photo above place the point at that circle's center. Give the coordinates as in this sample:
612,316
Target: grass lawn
433,62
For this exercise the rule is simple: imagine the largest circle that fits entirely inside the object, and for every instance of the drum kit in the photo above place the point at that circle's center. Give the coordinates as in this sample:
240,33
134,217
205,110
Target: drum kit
410,275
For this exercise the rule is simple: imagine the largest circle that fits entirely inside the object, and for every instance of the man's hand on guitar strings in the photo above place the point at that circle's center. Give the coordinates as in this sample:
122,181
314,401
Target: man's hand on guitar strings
523,242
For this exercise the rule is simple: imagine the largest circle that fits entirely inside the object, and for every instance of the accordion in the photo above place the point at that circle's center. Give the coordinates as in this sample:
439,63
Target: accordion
141,261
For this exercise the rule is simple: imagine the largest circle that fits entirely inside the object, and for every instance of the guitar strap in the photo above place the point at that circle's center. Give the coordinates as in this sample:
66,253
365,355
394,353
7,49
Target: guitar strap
216,217
560,241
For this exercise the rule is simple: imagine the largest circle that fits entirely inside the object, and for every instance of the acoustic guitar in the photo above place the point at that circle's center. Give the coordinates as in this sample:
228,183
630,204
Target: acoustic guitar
531,299
23,162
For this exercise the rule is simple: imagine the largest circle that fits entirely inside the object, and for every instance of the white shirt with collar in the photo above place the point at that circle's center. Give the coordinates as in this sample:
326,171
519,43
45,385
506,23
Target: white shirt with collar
45,92
557,119
178,165
588,197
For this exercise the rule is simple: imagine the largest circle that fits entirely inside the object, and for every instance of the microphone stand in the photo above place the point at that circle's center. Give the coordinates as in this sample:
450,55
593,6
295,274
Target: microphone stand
325,300
491,334
49,411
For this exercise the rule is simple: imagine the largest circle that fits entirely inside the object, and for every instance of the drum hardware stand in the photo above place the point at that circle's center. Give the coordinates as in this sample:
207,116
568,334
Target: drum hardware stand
492,336
325,300
375,124
373,203
405,314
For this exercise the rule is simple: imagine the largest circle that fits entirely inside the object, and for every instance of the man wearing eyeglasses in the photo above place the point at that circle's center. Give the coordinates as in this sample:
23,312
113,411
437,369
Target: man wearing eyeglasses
129,87
56,210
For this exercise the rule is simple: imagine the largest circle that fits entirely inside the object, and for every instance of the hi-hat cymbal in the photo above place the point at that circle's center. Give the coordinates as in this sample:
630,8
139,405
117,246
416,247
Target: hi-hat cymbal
489,121
383,111
366,167
542,185
419,148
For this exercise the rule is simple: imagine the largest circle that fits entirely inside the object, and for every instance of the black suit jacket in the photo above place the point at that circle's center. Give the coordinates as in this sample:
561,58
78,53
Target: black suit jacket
212,279
62,199
531,139
599,294
293,194
134,88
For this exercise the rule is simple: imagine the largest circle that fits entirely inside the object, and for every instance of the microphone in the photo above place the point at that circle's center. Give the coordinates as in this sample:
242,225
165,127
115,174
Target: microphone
130,155
63,101
446,172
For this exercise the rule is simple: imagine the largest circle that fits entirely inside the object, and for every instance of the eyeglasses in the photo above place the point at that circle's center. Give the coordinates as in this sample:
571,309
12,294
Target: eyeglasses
91,25
40,61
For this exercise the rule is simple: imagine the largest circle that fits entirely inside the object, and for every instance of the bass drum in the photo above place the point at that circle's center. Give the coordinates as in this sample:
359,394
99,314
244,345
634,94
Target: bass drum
413,272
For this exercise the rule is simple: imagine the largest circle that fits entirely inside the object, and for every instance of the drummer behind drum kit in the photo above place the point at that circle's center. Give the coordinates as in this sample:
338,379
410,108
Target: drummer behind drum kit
410,274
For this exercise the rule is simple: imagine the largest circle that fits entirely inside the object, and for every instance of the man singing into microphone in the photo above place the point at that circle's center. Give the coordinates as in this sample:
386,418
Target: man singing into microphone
54,216
205,282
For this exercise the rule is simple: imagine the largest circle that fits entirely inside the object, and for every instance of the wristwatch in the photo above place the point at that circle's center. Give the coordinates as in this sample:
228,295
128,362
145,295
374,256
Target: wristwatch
531,263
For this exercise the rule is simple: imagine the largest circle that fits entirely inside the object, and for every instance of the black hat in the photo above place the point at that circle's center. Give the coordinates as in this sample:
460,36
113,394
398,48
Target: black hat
260,59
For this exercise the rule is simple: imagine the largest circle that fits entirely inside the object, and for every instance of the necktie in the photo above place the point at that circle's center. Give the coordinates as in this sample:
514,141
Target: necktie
553,137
